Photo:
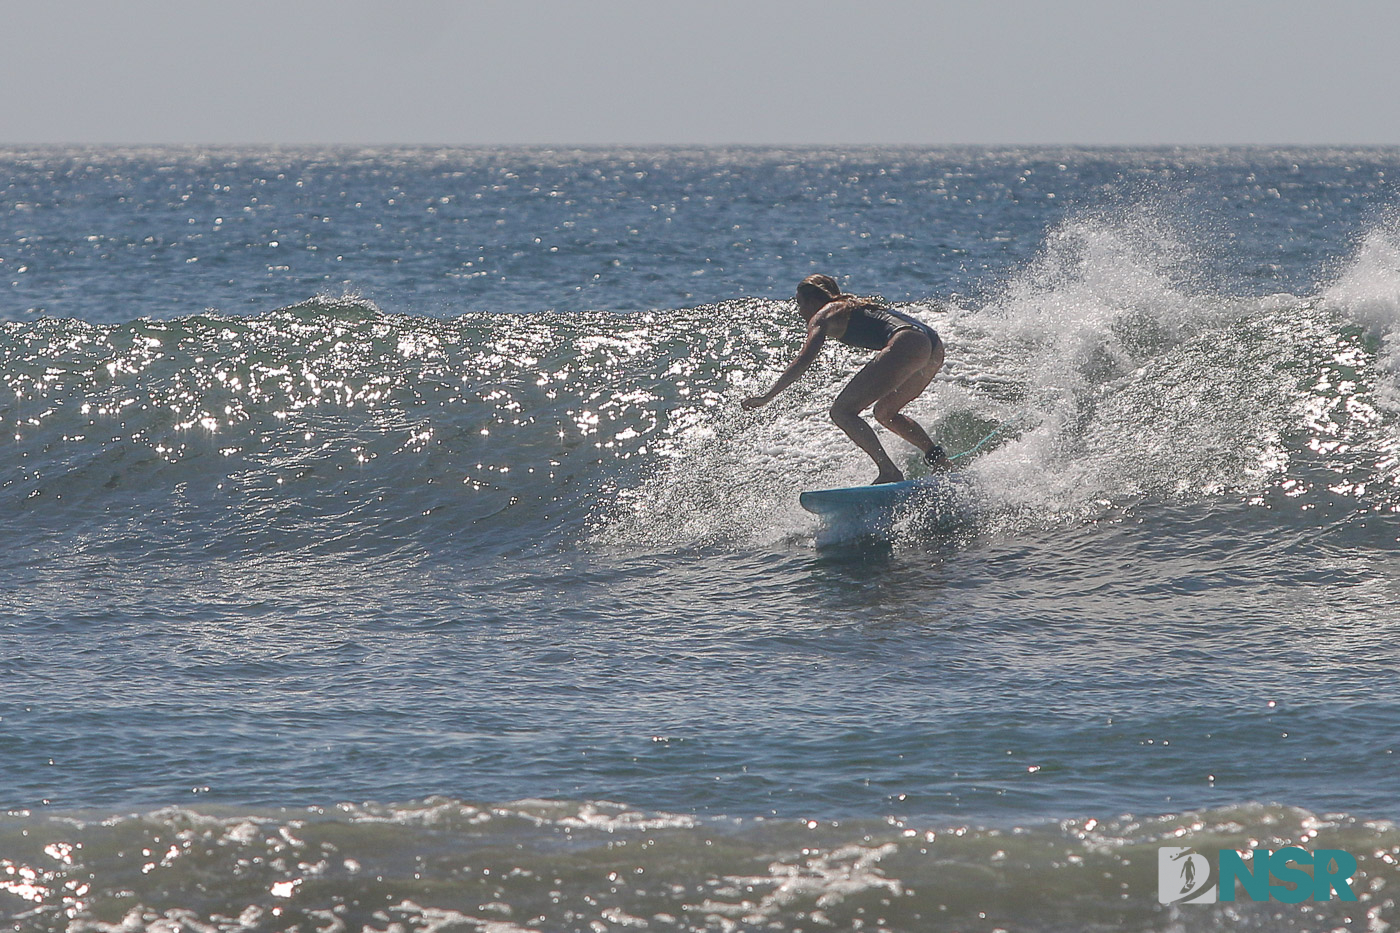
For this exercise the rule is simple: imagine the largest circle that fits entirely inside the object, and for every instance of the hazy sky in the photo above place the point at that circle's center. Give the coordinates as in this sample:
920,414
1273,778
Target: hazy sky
722,71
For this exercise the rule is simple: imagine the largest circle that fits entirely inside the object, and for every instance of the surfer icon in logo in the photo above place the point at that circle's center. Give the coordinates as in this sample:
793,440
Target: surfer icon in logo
1188,872
908,355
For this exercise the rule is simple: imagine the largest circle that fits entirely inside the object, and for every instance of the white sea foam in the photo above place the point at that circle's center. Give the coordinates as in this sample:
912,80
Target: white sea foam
1082,873
1116,365
1367,291
1368,286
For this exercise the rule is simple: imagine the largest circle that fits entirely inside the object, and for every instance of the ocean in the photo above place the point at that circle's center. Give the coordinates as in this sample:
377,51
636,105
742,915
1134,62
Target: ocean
385,547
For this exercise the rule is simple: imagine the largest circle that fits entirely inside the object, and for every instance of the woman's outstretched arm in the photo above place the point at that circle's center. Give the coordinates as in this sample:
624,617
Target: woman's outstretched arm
816,336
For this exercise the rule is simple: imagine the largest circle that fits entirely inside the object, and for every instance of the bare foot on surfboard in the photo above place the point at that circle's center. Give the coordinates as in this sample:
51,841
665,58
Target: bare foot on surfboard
888,477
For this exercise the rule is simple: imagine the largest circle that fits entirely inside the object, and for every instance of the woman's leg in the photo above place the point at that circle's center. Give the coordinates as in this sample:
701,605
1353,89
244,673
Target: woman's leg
907,355
888,408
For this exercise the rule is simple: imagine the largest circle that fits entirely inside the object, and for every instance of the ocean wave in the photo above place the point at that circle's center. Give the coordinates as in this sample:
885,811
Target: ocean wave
334,424
442,864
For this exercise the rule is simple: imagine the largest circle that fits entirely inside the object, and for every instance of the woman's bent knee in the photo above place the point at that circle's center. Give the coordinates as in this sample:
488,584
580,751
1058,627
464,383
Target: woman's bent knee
885,411
842,413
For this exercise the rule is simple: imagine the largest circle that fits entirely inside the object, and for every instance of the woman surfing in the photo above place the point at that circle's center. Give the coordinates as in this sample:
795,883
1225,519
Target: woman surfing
909,354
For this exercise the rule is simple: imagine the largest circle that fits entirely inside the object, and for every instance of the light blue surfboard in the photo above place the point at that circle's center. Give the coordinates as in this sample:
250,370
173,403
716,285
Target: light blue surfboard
855,512
859,499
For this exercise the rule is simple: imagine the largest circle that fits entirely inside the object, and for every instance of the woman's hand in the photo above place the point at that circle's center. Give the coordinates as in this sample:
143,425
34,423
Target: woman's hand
758,401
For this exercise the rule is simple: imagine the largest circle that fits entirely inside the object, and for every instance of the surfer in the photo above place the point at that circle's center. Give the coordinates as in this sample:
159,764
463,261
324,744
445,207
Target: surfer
909,354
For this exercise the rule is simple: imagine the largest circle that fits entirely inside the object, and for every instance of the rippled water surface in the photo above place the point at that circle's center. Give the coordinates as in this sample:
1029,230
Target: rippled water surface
385,543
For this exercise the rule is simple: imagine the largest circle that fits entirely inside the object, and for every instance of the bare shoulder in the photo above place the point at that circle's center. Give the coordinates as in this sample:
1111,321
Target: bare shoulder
834,316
